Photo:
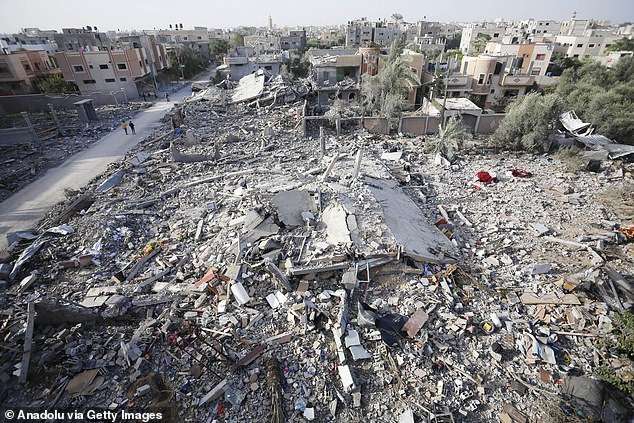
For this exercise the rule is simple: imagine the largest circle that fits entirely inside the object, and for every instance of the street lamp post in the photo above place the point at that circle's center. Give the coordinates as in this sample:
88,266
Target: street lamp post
125,96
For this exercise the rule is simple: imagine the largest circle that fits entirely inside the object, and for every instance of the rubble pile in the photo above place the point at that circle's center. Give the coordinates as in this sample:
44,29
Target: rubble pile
236,273
22,164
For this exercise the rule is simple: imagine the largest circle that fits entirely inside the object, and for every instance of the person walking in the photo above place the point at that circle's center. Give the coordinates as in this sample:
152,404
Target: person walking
132,127
167,97
124,125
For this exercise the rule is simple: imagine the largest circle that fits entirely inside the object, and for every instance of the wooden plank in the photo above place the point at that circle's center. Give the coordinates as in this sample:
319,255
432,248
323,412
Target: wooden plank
28,343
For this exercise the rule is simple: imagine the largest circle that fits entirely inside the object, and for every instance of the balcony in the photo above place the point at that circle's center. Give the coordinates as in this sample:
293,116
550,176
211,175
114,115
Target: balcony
457,81
509,80
236,60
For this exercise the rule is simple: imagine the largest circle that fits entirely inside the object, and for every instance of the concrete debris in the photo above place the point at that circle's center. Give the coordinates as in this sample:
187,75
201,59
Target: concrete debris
275,283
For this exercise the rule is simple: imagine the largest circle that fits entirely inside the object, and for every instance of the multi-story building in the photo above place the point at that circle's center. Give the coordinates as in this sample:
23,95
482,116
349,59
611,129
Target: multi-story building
540,28
337,73
470,33
29,39
19,70
295,40
580,46
82,39
243,61
532,58
109,71
262,44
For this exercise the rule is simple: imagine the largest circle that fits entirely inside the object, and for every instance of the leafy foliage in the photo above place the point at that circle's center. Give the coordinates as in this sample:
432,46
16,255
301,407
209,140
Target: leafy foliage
185,61
385,91
55,84
623,44
299,64
479,43
599,95
237,40
448,140
529,122
219,47
602,96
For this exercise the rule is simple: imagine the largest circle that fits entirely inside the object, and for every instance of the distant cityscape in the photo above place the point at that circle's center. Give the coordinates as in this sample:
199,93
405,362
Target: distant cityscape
488,62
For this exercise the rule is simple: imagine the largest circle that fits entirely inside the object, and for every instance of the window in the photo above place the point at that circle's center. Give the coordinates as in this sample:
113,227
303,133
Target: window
607,45
90,66
103,66
481,79
496,35
200,38
110,80
4,70
590,45
540,57
579,45
576,56
123,79
122,66
547,23
89,81
489,76
140,64
535,71
185,38
269,68
26,67
78,68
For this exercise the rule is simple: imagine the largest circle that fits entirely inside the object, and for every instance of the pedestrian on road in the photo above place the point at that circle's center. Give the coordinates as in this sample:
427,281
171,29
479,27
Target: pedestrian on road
167,97
132,127
144,97
125,127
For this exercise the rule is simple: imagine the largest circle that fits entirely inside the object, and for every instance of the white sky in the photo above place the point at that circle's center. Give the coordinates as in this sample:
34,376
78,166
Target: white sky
149,14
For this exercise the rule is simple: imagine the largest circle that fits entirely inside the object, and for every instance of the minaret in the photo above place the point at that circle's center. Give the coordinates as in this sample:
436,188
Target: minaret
270,23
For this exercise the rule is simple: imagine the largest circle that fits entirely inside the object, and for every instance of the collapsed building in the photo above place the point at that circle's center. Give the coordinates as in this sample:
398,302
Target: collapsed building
235,271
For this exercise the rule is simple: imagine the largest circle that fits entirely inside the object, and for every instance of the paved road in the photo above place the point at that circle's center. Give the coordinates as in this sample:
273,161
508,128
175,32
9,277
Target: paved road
28,206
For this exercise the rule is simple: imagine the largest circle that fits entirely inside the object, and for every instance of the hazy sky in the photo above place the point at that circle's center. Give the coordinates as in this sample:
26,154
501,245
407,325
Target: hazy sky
149,14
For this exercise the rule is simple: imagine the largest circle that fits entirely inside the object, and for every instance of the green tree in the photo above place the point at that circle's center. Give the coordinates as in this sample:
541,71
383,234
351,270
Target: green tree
185,62
299,64
397,17
237,40
602,96
219,47
623,44
55,84
385,92
479,43
529,122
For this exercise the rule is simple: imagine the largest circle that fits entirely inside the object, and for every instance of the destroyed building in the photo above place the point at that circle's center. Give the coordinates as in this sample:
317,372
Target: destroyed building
235,270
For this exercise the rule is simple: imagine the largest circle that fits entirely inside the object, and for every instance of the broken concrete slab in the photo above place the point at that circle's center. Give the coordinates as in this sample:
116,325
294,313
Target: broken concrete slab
420,240
291,204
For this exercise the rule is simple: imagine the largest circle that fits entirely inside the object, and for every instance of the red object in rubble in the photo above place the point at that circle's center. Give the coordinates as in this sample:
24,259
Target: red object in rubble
519,173
485,177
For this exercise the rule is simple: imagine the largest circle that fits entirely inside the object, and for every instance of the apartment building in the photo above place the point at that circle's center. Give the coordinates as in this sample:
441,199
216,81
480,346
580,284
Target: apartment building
470,33
82,39
532,58
107,71
19,70
337,73
579,46
242,61
295,40
262,44
29,39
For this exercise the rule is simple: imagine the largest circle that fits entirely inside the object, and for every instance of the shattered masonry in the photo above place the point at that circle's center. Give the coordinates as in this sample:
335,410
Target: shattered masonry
234,273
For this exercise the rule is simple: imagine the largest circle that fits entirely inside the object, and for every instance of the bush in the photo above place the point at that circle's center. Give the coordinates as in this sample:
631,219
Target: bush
528,122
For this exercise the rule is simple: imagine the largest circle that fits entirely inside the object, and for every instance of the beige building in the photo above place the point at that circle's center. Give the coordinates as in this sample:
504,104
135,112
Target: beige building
106,72
19,70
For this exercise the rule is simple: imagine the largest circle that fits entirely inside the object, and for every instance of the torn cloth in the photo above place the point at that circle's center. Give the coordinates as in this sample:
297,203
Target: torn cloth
519,173
486,177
